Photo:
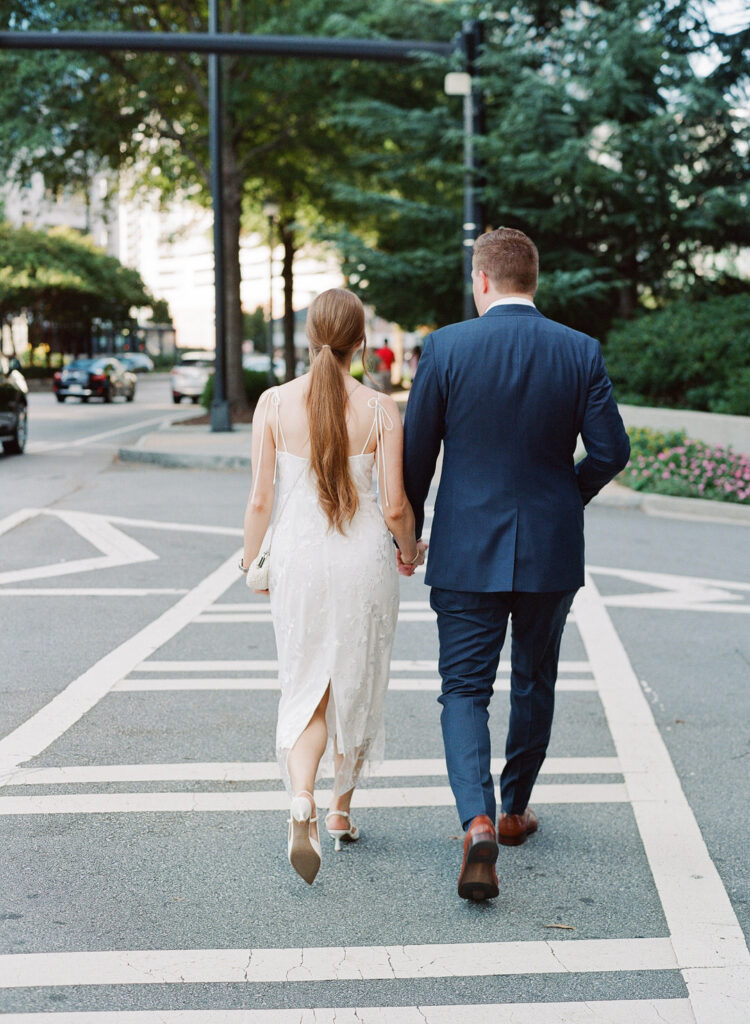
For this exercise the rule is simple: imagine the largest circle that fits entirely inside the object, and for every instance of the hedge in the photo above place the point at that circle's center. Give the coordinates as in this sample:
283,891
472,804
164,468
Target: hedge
690,355
256,382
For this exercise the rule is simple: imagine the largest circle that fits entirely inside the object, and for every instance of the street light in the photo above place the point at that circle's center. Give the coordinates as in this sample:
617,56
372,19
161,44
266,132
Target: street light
270,210
461,83
221,419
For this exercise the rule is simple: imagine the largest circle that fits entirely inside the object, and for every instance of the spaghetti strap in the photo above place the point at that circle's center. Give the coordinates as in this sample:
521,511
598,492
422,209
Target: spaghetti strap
273,398
279,428
380,423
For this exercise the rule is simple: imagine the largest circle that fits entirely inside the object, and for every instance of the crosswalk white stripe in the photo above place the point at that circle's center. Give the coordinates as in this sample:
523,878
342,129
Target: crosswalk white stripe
79,696
708,941
615,1011
257,771
262,665
272,683
264,615
336,963
275,800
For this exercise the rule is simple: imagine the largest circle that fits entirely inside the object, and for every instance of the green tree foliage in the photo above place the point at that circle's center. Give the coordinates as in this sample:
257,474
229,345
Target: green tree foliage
255,329
610,149
282,140
690,355
394,207
62,278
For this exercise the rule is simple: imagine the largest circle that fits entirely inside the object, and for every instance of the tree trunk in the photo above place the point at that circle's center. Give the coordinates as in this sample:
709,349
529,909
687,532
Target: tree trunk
287,237
236,395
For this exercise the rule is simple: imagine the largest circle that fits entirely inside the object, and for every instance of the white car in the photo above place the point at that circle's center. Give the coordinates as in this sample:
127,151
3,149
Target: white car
261,363
188,378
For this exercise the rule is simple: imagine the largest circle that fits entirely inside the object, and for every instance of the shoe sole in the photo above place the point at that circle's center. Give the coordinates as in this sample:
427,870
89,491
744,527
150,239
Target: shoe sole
302,855
516,840
477,881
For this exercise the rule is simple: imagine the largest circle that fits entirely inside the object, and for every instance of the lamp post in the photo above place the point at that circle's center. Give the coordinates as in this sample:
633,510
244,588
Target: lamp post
461,83
221,419
271,211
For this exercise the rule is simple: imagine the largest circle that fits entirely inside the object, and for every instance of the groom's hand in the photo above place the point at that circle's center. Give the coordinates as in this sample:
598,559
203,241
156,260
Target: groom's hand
409,568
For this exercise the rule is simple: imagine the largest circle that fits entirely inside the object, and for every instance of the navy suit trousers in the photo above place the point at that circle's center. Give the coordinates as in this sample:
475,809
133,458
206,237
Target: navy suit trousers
472,628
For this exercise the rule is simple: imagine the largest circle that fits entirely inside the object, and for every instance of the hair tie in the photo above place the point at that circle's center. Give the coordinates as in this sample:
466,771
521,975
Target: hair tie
324,346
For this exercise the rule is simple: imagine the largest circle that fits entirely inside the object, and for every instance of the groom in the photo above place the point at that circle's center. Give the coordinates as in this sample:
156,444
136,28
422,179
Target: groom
507,395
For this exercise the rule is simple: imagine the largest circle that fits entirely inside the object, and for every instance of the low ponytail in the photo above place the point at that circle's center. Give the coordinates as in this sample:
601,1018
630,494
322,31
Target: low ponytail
335,326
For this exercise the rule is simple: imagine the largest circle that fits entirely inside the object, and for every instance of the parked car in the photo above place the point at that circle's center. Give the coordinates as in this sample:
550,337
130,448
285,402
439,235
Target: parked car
137,362
261,363
104,377
13,407
189,377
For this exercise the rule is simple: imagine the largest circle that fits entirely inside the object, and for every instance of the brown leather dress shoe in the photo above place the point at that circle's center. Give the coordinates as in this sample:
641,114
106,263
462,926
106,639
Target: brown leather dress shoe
514,829
478,880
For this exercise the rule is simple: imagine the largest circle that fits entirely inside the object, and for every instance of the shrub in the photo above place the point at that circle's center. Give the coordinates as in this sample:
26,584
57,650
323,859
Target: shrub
644,441
256,382
688,469
686,356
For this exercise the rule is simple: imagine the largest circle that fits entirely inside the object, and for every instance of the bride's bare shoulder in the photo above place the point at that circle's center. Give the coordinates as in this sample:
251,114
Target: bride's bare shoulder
294,389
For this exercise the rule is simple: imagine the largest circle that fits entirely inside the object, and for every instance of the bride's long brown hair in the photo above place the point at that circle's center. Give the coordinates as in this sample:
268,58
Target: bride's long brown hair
335,326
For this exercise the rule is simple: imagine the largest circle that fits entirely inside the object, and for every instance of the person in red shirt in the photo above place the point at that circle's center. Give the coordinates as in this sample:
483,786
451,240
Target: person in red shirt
386,356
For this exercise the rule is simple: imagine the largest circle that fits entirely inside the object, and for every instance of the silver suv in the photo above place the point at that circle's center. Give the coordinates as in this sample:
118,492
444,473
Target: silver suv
189,377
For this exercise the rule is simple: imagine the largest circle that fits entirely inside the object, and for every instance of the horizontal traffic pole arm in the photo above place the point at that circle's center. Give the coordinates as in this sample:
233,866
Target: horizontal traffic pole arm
404,50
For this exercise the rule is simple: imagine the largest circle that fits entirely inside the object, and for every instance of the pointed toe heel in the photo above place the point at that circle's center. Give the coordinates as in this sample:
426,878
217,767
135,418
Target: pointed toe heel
303,849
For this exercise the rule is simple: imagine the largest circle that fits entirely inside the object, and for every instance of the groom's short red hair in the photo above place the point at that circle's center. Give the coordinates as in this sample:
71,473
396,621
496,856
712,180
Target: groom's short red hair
509,258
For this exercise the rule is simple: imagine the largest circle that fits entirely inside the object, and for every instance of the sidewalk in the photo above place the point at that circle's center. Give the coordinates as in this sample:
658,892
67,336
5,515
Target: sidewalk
186,447
193,448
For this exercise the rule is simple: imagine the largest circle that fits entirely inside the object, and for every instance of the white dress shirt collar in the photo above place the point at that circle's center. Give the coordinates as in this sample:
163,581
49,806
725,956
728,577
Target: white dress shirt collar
511,300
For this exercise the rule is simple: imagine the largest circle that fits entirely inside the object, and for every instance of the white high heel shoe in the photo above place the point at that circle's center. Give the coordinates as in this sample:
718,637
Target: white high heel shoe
351,834
303,849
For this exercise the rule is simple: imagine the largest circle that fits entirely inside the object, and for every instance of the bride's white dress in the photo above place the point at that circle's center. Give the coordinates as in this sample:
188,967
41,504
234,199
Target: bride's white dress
334,604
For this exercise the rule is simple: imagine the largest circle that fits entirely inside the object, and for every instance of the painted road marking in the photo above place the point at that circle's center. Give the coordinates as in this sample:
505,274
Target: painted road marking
42,447
275,800
115,548
256,771
336,963
89,591
431,685
16,518
269,666
705,933
617,1011
79,696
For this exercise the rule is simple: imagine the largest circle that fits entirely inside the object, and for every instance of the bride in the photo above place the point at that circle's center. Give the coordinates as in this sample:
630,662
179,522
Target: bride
333,570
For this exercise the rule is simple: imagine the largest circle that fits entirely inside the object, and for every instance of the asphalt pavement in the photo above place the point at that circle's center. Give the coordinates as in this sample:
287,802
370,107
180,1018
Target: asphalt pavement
144,875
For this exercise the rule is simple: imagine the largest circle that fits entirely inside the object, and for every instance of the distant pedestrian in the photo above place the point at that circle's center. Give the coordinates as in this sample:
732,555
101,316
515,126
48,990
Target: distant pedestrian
332,570
386,356
506,396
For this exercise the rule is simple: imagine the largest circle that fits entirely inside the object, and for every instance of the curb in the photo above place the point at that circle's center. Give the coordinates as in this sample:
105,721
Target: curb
183,460
613,496
669,506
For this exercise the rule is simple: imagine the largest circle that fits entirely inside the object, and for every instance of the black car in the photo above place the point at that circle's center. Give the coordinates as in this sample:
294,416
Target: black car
104,377
13,407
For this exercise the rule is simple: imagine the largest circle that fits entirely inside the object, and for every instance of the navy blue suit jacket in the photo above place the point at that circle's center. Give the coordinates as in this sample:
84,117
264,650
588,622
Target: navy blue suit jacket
507,395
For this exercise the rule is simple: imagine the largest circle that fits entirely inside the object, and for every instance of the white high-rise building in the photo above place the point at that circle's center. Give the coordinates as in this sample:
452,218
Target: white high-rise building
172,248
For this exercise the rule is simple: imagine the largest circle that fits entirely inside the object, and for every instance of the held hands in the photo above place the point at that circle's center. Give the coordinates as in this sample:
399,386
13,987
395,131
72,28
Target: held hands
409,568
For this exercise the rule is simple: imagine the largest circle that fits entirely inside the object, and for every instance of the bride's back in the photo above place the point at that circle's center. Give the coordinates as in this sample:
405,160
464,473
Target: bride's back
295,424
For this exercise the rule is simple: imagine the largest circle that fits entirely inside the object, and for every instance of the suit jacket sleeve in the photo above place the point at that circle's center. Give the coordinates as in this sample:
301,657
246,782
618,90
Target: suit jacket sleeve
424,426
606,440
